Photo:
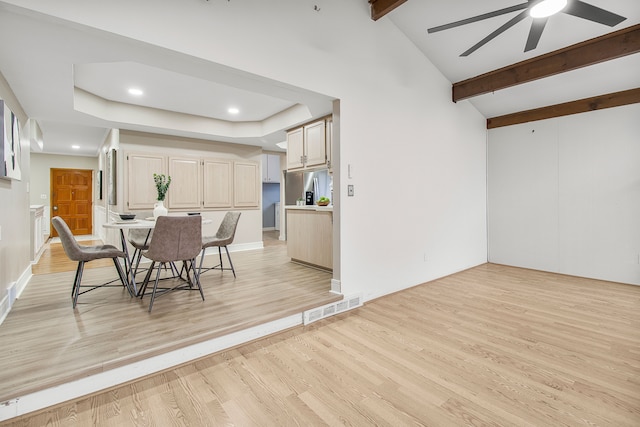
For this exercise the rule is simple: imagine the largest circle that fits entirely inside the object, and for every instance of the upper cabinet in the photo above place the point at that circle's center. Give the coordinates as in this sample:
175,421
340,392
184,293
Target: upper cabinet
218,176
142,193
246,189
196,183
270,168
186,187
307,146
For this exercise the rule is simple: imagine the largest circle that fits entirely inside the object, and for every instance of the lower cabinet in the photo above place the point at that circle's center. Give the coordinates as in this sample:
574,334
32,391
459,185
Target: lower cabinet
310,237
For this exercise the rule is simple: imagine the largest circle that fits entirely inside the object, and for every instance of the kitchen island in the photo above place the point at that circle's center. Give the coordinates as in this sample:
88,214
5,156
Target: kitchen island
310,235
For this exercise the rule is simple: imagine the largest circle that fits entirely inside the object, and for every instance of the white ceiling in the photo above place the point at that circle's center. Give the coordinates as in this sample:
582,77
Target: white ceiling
43,69
73,81
444,48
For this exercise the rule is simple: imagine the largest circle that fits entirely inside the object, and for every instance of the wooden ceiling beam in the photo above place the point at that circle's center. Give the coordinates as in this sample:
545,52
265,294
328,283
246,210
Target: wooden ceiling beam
379,8
610,46
616,99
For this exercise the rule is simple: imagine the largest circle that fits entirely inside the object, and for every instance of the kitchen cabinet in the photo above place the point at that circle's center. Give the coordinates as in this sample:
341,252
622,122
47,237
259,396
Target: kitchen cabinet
218,183
246,192
310,236
270,168
141,188
186,185
307,146
196,183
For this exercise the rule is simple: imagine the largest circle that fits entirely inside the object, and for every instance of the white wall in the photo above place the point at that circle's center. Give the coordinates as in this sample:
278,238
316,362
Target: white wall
564,195
41,165
15,235
418,159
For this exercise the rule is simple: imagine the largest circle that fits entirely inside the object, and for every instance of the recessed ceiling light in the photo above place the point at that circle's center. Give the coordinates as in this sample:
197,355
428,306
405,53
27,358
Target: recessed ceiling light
135,91
75,147
547,8
233,110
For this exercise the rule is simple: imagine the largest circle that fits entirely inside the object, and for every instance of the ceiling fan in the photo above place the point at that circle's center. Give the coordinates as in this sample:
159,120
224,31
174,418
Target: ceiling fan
537,10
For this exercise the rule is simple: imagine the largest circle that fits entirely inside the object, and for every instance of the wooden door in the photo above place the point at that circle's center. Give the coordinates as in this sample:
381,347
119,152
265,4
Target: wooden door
72,199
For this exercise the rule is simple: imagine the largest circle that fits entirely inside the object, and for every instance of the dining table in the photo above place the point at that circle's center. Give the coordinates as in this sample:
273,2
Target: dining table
128,224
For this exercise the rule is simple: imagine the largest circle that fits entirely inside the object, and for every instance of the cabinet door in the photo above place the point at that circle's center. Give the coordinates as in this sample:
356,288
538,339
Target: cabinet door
141,189
270,168
329,139
295,149
273,168
246,189
265,168
185,189
315,144
217,183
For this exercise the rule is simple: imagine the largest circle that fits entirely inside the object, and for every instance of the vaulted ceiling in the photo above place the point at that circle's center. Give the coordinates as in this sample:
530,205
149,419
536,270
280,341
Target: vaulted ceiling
69,77
576,65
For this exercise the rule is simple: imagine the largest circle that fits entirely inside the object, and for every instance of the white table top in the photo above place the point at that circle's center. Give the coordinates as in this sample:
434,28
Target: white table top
139,223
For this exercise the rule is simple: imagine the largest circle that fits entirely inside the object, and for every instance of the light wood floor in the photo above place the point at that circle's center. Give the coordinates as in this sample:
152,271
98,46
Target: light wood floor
490,346
45,342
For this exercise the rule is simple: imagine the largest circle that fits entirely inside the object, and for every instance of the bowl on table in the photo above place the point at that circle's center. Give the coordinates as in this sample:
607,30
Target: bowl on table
127,216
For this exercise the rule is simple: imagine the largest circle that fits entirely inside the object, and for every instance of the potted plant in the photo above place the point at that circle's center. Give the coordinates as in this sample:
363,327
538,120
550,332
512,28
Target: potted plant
162,186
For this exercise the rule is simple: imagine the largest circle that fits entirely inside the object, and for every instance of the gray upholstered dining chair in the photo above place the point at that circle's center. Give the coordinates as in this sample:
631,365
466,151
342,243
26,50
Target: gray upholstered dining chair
83,254
139,238
224,237
175,238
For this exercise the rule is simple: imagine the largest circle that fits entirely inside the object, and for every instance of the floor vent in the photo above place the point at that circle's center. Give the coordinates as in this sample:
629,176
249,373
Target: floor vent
337,307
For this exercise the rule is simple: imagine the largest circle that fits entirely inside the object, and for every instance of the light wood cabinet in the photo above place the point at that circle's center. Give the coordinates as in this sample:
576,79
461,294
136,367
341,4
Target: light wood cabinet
329,137
315,144
141,188
310,237
295,149
246,176
307,146
218,183
186,184
196,183
270,168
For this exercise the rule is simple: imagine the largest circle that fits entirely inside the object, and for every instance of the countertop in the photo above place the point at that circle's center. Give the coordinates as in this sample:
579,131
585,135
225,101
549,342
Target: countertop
328,208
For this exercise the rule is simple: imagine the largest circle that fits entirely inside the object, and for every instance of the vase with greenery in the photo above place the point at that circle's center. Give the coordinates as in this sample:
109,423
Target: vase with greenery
162,186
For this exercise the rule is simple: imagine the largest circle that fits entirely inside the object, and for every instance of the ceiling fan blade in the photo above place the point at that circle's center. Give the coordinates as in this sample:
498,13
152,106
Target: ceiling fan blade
537,26
478,18
513,21
592,13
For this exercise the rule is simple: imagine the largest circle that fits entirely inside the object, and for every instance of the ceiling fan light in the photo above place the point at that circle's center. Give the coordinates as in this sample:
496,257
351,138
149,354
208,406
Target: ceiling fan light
547,8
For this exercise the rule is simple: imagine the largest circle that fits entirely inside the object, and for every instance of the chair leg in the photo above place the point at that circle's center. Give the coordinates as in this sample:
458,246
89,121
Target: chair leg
201,259
196,277
220,256
155,287
230,263
143,288
77,282
123,278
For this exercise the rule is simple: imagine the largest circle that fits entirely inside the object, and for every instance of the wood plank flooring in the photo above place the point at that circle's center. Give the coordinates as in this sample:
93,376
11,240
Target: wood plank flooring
45,342
490,346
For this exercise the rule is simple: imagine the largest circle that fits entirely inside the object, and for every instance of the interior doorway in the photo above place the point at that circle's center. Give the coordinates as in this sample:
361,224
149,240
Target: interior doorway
72,199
